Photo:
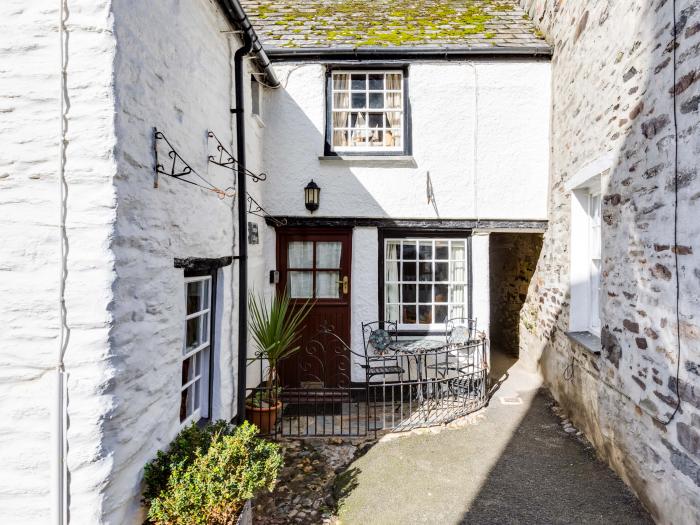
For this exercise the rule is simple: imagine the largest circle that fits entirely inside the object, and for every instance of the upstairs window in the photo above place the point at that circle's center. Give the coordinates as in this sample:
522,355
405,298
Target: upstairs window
366,112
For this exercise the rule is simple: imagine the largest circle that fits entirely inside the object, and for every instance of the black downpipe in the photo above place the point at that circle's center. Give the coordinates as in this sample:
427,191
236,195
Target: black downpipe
242,225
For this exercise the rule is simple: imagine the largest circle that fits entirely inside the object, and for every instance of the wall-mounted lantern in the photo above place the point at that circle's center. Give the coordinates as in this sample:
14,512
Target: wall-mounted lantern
312,196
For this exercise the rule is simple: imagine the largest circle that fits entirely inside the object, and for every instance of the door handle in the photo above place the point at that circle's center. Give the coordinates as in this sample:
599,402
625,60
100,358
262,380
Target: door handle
345,282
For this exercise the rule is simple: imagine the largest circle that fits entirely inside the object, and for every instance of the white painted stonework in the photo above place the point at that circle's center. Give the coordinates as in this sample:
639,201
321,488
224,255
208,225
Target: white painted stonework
136,65
511,122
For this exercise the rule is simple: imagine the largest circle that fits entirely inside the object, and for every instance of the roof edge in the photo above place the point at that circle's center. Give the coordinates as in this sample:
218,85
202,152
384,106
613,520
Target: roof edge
237,17
279,54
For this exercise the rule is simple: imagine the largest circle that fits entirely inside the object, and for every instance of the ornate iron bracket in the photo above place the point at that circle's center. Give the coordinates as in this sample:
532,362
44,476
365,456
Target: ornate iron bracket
226,160
179,168
254,208
174,169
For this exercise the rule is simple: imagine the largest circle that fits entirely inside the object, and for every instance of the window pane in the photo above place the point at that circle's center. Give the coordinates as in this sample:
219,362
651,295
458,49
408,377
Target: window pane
408,314
391,270
204,329
376,138
375,120
341,81
425,250
392,312
340,138
187,370
376,100
425,314
327,285
442,250
341,100
300,285
393,119
392,138
409,271
300,254
440,293
376,81
409,250
392,293
440,314
457,294
408,293
442,271
183,405
359,81
425,272
457,272
392,250
328,254
196,292
192,334
196,387
425,293
393,81
359,100
393,101
458,250
456,311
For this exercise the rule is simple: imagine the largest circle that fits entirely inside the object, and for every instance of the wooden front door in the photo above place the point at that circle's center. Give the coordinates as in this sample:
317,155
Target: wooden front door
314,264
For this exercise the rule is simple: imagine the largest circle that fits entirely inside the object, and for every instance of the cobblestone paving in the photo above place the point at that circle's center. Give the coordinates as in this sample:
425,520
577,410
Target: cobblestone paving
304,491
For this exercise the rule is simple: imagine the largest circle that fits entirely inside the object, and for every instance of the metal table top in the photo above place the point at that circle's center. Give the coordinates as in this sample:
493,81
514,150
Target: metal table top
417,346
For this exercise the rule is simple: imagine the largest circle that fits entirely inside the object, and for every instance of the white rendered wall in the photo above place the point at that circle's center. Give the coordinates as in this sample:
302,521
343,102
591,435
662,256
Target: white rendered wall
29,253
512,152
173,71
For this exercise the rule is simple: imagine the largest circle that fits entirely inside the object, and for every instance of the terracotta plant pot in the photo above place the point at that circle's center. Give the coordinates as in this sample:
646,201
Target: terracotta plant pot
265,418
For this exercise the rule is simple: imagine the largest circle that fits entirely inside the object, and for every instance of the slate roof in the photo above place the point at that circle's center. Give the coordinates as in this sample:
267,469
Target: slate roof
392,23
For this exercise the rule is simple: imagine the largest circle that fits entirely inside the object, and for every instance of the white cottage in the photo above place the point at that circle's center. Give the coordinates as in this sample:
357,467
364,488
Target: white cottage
130,238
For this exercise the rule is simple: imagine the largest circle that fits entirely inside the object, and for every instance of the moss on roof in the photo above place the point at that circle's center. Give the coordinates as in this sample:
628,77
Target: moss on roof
355,23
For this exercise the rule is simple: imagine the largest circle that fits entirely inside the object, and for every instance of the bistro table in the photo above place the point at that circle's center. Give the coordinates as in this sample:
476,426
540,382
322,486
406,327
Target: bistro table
417,348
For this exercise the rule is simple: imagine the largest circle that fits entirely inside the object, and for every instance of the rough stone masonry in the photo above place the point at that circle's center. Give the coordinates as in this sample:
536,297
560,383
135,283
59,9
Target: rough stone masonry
613,94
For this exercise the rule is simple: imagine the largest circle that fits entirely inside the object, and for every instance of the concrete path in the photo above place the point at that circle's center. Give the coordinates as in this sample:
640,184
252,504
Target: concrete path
514,464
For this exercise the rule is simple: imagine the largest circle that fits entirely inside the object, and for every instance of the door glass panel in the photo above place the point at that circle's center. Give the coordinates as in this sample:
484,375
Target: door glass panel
300,285
328,254
300,254
327,286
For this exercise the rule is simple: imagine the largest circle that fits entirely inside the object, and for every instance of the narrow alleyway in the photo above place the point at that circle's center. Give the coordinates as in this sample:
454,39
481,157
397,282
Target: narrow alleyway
515,464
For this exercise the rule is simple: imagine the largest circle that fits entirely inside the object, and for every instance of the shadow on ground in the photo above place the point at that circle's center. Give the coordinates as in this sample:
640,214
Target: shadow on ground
513,464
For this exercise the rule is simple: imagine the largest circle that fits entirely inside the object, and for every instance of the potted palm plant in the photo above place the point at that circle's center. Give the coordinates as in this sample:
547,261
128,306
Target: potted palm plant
276,329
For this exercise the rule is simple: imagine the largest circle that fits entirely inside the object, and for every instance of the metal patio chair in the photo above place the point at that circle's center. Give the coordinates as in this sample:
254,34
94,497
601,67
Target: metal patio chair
379,359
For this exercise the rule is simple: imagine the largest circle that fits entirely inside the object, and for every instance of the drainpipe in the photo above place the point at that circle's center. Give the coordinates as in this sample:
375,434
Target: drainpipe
242,225
251,45
60,477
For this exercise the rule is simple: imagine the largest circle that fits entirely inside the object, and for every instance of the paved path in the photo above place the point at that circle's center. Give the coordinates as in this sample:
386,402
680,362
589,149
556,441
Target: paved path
515,465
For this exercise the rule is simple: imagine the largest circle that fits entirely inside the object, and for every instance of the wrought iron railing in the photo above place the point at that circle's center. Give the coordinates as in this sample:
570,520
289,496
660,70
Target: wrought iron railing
316,395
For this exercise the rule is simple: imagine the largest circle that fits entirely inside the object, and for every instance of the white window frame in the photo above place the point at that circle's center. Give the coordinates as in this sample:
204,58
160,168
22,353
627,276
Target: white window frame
586,246
364,148
450,303
202,352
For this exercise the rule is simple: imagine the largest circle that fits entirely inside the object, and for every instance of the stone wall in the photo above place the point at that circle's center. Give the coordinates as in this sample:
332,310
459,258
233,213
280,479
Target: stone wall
613,96
512,260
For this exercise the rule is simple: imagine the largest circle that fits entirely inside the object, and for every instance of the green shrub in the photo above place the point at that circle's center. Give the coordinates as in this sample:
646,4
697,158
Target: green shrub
209,474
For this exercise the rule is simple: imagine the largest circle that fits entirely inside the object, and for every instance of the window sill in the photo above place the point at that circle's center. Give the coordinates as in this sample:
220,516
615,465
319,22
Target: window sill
587,340
402,160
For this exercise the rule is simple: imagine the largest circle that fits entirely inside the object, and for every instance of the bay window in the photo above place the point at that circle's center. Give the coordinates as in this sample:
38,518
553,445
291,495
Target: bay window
366,112
426,281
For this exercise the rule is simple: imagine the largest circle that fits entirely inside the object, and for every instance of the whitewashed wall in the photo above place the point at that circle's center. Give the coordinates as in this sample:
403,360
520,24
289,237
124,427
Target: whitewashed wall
173,71
512,152
29,252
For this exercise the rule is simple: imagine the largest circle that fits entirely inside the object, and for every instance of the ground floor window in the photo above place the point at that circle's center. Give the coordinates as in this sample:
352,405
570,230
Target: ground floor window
196,350
426,280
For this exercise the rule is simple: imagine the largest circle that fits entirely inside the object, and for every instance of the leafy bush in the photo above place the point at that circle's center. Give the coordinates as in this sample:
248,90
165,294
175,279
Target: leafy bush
208,474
